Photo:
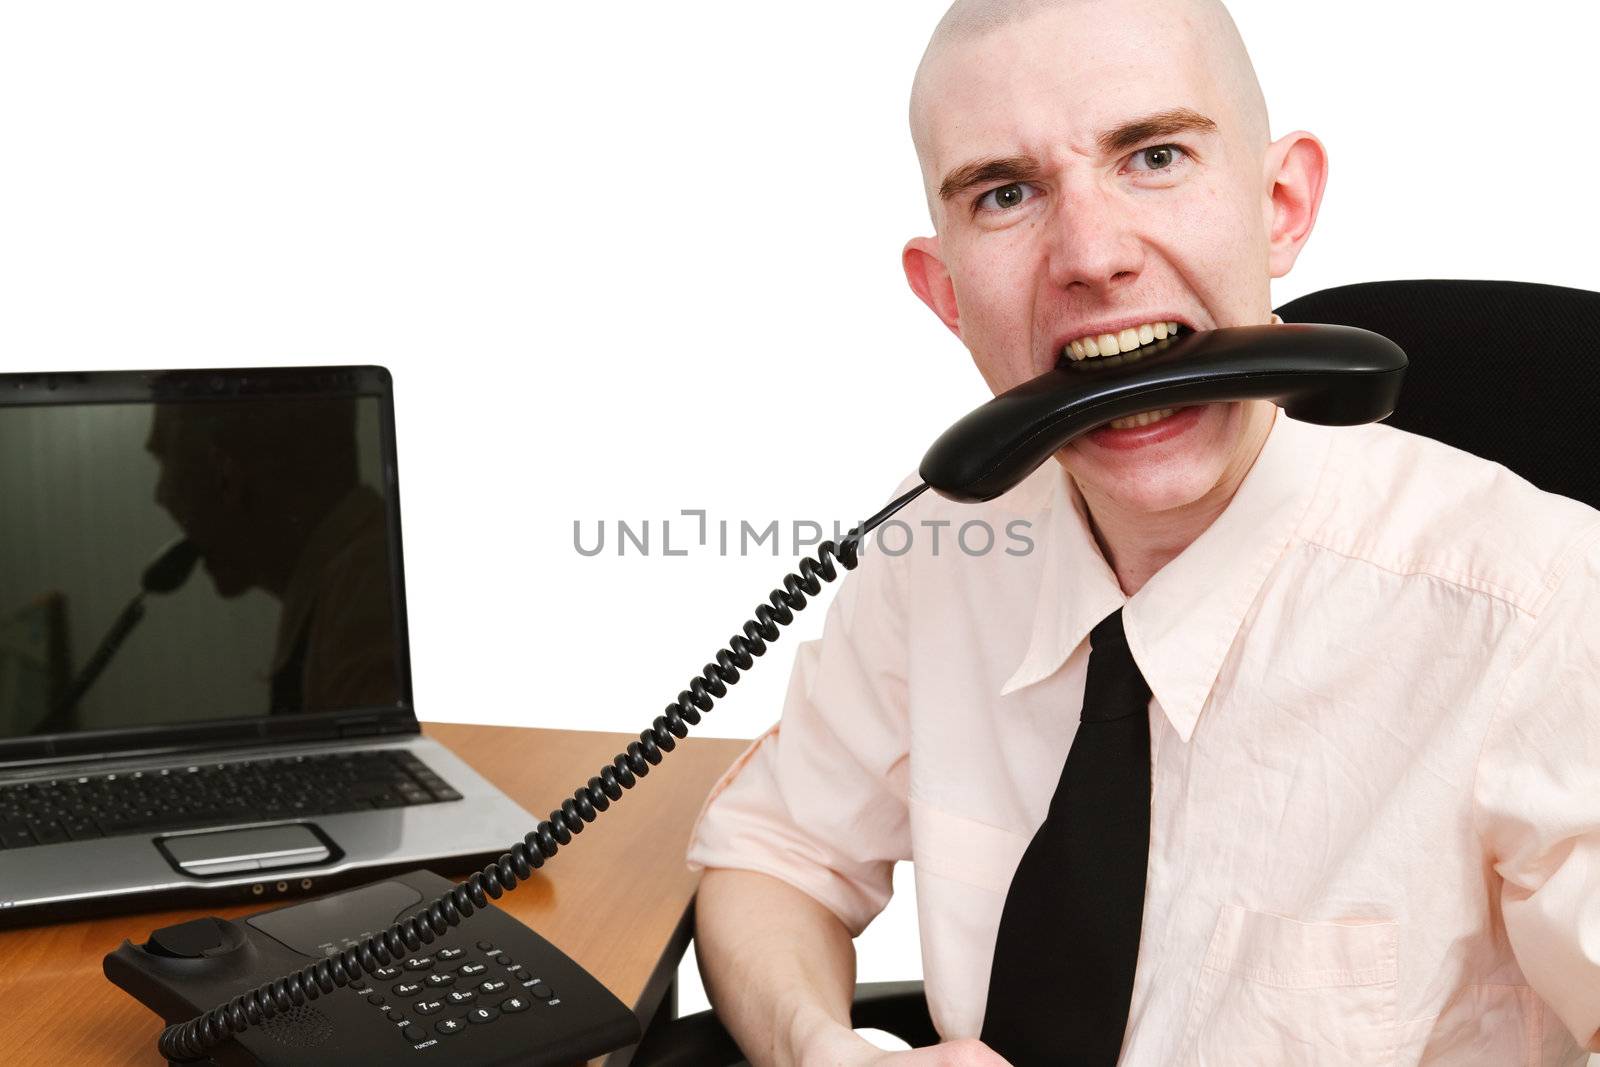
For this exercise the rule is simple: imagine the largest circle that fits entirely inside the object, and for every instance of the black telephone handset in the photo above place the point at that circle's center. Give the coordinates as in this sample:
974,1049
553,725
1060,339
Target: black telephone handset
1334,375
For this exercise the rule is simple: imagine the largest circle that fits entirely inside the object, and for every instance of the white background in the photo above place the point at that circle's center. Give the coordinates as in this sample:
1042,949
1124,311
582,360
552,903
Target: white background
625,259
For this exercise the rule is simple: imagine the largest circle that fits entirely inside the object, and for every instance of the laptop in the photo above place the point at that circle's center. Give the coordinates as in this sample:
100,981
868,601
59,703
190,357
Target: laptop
205,681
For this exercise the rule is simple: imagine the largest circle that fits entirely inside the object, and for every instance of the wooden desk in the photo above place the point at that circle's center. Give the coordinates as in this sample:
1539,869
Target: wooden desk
616,900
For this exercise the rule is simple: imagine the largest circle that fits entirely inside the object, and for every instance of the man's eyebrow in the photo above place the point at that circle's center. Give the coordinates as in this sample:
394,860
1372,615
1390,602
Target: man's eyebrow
984,171
1115,141
1132,134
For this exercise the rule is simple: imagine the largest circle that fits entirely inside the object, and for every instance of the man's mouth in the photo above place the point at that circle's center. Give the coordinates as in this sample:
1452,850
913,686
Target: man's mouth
1095,346
1121,344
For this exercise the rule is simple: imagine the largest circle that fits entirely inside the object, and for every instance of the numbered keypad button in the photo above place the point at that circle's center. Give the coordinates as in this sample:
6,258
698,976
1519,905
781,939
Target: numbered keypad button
483,1015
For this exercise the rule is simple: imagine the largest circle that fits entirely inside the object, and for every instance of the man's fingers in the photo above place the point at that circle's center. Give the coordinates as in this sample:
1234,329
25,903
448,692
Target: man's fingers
965,1053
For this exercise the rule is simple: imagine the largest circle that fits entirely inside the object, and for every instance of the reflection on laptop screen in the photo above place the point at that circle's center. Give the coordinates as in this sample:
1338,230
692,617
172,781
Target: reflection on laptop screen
256,530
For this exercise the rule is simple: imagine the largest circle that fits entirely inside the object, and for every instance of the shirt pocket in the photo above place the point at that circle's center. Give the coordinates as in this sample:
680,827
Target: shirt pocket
1277,991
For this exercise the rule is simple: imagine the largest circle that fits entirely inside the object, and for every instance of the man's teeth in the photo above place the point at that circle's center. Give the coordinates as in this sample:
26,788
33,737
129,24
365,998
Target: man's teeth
1144,418
1111,344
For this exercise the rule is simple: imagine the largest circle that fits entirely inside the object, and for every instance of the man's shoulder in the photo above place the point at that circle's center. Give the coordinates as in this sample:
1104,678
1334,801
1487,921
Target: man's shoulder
1413,504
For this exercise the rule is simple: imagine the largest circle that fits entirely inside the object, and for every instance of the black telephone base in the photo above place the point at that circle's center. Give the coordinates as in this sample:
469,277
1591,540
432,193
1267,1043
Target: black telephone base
488,992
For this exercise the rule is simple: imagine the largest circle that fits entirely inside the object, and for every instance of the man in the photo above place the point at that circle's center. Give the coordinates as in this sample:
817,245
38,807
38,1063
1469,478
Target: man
1375,763
270,494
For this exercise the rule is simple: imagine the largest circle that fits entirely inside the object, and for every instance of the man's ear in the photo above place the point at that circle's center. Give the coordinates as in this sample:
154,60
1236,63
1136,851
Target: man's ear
1296,172
930,280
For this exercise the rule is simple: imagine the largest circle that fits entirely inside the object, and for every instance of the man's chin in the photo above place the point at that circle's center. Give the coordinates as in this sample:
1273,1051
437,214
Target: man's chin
1148,469
227,584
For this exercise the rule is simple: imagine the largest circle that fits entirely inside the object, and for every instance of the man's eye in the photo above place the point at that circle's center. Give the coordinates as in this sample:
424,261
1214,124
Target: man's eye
1161,157
1005,197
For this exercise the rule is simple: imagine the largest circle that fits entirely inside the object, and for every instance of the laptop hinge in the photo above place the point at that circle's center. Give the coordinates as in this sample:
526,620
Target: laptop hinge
361,726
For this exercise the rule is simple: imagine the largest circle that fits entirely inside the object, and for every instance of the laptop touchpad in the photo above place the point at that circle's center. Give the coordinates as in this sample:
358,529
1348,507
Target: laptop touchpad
263,848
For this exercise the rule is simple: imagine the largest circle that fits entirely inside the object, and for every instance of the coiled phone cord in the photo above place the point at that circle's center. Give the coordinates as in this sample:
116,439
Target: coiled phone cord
193,1040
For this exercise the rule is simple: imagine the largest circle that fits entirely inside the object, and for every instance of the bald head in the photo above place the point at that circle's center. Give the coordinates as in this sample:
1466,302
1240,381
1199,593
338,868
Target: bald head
1095,168
1204,27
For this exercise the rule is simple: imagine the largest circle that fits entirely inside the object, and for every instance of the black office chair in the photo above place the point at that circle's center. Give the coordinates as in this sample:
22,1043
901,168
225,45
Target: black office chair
1509,371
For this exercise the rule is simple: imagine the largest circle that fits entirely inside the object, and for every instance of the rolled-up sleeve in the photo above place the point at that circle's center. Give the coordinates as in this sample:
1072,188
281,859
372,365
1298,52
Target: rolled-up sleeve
1538,797
819,800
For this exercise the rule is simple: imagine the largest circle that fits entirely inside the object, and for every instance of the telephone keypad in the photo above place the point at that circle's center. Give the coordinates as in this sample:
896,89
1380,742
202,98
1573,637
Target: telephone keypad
461,1006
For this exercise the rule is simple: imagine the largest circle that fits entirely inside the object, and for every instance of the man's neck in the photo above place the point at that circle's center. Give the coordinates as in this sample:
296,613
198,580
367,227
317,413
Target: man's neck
1138,544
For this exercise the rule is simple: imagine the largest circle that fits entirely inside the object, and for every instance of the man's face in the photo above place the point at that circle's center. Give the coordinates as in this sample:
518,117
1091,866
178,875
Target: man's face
199,487
1089,173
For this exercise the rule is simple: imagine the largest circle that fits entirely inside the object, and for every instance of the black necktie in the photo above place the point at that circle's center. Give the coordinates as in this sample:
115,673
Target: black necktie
1069,934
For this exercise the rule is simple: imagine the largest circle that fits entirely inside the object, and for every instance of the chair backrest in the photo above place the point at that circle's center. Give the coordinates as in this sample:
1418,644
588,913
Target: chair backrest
1509,371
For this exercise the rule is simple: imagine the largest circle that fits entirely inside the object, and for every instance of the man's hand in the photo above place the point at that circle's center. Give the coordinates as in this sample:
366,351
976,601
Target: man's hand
846,1048
779,968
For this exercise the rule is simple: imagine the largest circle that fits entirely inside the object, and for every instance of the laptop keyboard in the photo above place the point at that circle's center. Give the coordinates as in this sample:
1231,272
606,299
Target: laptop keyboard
76,807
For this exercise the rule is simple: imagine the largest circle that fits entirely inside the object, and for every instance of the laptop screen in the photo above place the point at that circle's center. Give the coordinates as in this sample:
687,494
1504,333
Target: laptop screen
185,557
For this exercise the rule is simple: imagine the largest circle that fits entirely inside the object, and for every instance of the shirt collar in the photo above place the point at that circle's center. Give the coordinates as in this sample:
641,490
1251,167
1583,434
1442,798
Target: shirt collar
1182,621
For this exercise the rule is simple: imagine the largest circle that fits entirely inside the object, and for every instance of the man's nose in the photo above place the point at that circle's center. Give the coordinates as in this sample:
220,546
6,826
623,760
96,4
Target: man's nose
1092,244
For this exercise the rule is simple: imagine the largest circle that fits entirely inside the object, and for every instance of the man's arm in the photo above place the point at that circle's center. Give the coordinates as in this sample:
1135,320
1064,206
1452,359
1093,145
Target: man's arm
780,969
779,966
1538,797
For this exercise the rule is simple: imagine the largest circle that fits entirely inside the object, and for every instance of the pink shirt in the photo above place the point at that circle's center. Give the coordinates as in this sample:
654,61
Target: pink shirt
1375,734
